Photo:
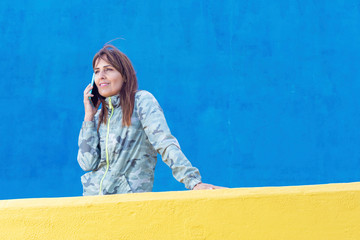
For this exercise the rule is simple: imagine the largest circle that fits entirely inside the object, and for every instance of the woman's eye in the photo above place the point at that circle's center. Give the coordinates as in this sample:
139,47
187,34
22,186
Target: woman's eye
108,69
96,72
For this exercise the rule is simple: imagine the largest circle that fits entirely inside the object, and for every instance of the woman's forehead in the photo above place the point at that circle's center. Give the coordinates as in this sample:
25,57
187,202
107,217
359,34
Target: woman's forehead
101,59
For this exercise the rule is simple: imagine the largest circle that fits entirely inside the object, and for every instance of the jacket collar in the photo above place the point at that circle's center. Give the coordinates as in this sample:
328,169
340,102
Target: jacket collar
115,100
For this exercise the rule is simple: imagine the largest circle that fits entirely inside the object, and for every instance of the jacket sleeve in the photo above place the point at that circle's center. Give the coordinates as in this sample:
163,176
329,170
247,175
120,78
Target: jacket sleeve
154,124
89,149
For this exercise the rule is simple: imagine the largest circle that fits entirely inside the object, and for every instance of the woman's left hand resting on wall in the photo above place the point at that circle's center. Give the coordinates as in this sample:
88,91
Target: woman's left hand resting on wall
203,186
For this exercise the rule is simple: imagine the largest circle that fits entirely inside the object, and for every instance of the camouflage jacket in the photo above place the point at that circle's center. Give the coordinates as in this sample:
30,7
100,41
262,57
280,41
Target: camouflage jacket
132,151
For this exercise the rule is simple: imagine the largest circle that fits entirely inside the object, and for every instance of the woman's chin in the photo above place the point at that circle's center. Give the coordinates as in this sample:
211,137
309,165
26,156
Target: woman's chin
105,94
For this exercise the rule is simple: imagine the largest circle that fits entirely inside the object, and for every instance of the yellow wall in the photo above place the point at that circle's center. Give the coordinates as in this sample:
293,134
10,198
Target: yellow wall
306,212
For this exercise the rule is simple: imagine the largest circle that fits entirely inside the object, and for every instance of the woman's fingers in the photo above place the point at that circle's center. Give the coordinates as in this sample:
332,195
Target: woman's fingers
218,187
90,110
204,186
87,93
87,89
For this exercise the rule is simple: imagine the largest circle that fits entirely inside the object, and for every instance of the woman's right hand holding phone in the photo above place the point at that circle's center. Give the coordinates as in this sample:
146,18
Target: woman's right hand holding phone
90,110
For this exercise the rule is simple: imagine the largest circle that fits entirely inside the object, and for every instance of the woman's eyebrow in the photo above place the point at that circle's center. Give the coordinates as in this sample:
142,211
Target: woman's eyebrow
103,66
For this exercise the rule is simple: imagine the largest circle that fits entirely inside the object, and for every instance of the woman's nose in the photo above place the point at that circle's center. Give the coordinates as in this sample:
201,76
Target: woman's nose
101,74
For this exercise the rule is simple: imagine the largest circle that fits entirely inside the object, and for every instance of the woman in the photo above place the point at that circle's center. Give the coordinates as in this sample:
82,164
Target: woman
118,144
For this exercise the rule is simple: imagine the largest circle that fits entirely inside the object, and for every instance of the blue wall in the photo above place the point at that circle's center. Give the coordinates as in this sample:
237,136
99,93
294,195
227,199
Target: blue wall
258,93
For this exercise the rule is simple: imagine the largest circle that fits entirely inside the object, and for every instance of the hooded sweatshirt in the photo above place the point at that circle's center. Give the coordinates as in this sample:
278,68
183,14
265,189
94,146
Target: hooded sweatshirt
121,159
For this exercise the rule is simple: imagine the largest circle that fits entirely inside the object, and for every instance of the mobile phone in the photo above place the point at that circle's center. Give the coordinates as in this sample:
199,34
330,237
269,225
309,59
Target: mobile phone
94,100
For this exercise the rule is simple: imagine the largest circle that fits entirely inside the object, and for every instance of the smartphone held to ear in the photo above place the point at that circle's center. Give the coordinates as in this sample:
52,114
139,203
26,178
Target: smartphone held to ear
94,100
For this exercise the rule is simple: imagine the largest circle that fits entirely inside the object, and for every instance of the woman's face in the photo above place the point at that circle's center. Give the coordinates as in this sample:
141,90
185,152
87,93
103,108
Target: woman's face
108,80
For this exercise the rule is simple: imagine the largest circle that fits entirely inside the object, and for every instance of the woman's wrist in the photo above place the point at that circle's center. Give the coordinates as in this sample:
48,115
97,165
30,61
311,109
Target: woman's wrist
88,118
196,185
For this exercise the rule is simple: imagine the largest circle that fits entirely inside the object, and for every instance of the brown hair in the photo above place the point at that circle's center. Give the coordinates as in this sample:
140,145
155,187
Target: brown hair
121,63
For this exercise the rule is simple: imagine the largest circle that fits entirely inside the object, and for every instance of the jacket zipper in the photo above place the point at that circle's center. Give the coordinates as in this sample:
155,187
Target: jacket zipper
106,147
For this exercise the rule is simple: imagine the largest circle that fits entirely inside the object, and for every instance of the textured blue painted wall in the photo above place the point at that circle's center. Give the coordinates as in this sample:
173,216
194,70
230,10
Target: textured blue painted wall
258,93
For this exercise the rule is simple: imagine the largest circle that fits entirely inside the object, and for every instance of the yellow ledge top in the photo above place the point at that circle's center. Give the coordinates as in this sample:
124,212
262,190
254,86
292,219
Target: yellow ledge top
180,195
